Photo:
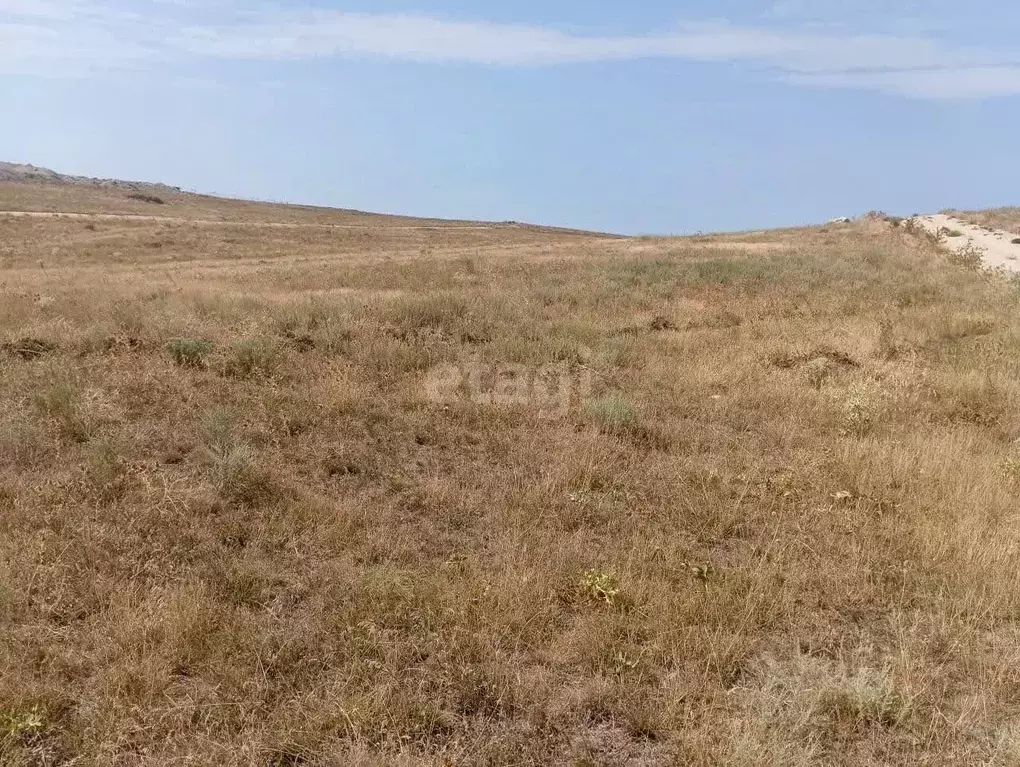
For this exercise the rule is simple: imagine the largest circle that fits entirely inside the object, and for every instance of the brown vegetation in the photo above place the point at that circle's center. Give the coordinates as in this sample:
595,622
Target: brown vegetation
1006,219
781,528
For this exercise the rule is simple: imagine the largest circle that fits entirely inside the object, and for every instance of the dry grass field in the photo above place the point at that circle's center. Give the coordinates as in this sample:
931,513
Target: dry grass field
1006,219
779,529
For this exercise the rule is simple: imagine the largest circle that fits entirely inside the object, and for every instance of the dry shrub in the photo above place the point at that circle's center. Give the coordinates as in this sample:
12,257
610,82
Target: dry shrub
251,358
969,257
232,464
797,711
29,348
861,409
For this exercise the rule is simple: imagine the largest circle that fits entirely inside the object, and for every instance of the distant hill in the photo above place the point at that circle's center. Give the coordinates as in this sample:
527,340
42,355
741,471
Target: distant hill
32,189
16,172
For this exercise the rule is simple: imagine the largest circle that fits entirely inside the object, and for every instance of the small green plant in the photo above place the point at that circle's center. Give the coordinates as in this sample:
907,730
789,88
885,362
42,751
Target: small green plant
860,411
61,403
251,357
818,370
189,352
233,464
22,727
105,471
1010,467
613,413
600,586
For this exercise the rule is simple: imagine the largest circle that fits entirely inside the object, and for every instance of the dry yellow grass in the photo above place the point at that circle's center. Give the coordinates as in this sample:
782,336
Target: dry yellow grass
1006,219
781,527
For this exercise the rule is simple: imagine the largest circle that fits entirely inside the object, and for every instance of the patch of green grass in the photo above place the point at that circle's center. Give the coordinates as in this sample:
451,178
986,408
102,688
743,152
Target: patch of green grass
189,352
22,725
61,404
728,271
250,358
105,471
233,465
613,413
600,586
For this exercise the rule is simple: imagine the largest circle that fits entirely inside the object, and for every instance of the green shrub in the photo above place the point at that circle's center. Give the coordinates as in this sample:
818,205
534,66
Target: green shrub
105,471
189,352
251,357
61,403
21,729
613,413
600,586
233,464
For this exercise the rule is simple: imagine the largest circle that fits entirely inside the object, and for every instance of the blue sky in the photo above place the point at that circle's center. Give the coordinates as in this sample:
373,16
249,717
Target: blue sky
640,117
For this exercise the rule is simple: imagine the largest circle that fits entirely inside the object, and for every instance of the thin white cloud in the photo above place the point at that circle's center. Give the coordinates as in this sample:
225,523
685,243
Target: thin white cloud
75,38
81,36
423,38
974,82
40,9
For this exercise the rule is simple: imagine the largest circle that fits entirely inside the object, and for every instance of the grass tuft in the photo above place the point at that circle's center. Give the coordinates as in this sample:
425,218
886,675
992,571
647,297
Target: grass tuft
189,352
613,413
61,403
29,348
249,358
600,586
860,410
